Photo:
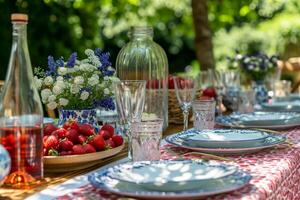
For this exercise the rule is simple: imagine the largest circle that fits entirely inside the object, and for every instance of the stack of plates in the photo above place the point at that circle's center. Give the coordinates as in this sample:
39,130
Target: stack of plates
170,179
268,120
225,141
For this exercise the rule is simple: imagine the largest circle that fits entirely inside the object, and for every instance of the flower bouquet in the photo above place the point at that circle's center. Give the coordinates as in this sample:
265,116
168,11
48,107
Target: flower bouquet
76,87
256,66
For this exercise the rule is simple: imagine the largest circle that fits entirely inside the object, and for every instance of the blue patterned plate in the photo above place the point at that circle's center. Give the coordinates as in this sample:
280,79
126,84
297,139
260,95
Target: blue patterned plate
101,180
168,175
222,138
246,148
268,120
282,106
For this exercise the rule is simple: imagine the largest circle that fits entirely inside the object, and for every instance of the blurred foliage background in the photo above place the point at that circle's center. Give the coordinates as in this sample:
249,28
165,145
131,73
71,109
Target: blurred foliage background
59,27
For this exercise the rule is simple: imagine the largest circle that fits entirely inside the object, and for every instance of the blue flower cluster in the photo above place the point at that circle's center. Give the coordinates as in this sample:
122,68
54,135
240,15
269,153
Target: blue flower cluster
107,103
105,63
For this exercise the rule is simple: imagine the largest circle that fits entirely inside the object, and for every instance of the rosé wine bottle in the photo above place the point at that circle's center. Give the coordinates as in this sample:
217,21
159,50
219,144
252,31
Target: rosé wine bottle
21,113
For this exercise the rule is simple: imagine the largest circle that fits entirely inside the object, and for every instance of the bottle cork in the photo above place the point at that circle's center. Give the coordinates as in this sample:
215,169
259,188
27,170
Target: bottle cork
19,17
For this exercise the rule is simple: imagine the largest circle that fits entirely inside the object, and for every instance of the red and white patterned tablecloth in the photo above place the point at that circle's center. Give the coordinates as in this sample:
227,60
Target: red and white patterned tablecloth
275,172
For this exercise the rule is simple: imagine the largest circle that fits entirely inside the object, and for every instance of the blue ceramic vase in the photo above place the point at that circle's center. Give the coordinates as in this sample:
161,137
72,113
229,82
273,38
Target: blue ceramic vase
84,116
261,92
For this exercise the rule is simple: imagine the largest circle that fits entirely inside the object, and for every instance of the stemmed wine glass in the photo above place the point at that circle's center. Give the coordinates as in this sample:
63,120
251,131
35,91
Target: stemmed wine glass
185,89
130,101
220,89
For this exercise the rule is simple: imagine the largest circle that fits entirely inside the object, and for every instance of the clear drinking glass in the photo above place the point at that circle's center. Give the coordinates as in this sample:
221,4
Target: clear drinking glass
205,83
220,89
282,88
204,114
145,141
185,88
130,100
246,101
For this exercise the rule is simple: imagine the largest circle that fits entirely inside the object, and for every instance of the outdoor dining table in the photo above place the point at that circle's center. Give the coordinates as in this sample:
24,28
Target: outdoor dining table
275,174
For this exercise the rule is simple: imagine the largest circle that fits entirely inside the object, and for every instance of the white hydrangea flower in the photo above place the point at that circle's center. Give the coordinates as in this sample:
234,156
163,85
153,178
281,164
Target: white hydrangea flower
76,68
89,52
48,80
59,78
93,81
106,91
57,89
84,61
106,78
114,79
95,60
63,101
51,98
45,93
60,84
37,82
52,105
62,71
78,80
84,95
96,76
75,89
102,85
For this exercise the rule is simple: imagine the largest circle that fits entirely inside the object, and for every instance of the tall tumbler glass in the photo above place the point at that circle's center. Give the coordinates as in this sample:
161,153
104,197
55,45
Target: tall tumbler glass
204,114
130,100
146,137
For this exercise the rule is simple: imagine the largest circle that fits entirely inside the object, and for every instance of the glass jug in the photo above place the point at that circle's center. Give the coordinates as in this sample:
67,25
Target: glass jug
143,59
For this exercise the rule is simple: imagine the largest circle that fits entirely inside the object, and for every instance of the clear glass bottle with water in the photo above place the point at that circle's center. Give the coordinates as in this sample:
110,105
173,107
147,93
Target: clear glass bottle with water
143,59
21,114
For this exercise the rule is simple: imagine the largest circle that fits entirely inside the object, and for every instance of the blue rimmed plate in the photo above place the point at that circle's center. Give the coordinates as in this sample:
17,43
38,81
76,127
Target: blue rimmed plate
101,180
270,141
282,106
222,138
170,175
268,120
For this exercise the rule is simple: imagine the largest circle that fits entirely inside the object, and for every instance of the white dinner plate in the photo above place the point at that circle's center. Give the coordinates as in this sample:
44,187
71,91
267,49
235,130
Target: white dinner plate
270,141
267,120
166,175
101,180
222,138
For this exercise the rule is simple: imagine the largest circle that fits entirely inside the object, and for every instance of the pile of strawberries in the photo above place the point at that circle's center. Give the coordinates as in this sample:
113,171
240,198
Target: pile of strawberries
74,138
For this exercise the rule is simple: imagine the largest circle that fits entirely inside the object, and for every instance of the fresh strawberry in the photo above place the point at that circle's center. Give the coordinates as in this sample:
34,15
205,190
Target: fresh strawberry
78,149
49,128
51,142
53,152
88,148
105,134
98,142
72,135
171,82
45,152
61,133
86,129
108,128
66,153
82,139
71,124
65,145
110,144
210,92
118,140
